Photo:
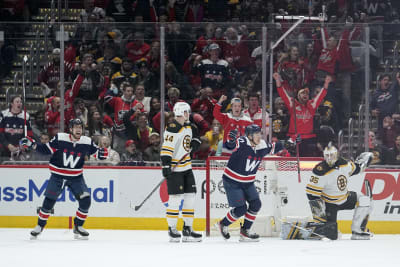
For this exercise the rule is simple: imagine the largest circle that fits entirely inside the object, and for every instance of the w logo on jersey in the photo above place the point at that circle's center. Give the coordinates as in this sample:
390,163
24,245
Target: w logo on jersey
251,165
70,161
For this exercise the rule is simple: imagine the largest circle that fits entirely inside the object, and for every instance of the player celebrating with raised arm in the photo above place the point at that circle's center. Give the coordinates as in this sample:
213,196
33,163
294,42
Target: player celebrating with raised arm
180,138
66,167
238,179
328,193
233,120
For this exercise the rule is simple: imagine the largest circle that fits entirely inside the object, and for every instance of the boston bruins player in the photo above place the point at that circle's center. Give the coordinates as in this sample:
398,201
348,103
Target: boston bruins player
328,192
180,138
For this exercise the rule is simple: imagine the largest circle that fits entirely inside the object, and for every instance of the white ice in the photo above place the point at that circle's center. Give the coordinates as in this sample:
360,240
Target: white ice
57,248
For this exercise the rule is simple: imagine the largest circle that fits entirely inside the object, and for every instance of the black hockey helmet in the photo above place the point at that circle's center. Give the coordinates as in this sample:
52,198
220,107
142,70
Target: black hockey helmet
252,129
75,121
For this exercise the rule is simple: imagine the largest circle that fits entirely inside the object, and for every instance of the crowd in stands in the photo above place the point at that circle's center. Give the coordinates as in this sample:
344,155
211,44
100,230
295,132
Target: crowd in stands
112,74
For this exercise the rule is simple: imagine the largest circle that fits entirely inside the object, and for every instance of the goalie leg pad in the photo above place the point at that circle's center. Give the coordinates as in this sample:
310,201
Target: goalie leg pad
361,214
295,230
328,230
309,230
318,210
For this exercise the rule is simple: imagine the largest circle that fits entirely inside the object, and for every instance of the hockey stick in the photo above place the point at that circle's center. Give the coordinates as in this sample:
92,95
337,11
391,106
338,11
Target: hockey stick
297,144
157,186
24,92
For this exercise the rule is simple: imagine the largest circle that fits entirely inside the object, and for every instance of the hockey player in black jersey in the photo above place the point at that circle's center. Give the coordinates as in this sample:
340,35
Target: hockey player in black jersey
238,179
66,166
180,138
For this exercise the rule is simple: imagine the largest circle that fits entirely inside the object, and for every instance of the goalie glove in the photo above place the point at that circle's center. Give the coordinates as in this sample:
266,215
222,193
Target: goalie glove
363,160
27,142
102,153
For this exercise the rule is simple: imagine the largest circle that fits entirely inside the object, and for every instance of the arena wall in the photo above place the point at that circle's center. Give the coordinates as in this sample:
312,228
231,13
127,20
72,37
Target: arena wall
117,190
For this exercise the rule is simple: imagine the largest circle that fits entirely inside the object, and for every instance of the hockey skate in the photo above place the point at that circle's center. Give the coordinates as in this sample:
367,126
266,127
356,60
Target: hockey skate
189,235
223,230
80,233
174,235
361,235
36,232
246,236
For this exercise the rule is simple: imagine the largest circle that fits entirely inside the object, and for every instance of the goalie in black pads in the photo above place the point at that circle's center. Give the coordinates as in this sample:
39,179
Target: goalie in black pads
328,193
180,138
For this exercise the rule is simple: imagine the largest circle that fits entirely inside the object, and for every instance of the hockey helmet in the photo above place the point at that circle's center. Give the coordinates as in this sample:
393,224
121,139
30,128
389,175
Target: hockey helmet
75,121
252,129
330,154
180,108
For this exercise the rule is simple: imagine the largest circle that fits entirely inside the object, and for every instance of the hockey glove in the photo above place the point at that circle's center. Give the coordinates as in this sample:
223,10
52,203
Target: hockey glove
233,135
231,142
364,159
27,143
166,171
102,153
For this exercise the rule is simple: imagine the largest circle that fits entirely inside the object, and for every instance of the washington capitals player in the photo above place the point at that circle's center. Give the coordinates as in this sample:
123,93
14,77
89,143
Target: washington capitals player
238,179
66,167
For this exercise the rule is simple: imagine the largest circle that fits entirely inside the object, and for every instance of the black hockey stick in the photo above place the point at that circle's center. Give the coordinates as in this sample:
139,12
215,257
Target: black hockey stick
149,195
368,189
157,186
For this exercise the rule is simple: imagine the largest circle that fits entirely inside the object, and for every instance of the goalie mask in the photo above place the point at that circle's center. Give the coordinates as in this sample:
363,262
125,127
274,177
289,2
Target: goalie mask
330,154
180,108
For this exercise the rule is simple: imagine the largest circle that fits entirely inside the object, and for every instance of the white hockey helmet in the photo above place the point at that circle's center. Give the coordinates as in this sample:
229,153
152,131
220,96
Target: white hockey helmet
180,108
330,154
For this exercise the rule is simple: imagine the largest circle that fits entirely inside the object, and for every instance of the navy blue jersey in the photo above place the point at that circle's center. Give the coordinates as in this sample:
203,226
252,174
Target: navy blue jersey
245,159
12,127
68,157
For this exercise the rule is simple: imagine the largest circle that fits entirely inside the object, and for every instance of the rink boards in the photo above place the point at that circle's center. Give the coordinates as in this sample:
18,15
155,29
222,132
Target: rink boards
117,190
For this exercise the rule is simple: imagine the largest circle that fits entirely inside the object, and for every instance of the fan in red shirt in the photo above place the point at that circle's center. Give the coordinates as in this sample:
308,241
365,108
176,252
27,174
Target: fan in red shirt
137,49
234,120
305,109
291,67
52,114
205,104
121,105
236,47
254,111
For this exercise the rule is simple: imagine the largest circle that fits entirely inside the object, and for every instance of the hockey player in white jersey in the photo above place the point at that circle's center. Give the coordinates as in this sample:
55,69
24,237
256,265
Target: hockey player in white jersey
180,138
328,193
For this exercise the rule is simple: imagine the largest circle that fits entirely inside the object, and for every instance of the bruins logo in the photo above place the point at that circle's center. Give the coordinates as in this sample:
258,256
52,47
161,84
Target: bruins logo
186,143
342,182
277,126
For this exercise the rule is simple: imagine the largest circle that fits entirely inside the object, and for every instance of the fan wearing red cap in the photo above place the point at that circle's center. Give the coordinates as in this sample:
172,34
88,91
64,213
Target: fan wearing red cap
131,153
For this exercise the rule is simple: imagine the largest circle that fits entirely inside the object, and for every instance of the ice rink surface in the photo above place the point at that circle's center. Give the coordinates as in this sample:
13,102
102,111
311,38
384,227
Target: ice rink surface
57,248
